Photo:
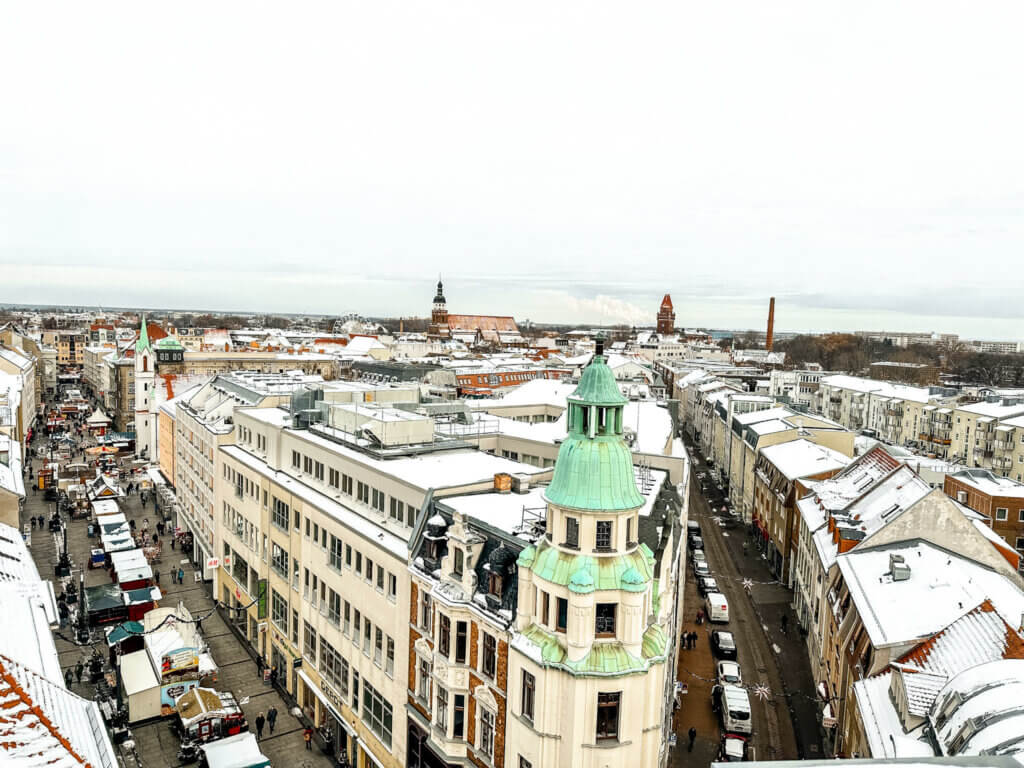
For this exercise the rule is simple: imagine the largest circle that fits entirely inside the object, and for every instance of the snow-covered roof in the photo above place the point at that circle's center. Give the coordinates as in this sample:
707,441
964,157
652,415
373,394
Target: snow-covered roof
981,710
11,478
980,636
878,388
881,721
992,410
990,484
942,587
44,724
801,458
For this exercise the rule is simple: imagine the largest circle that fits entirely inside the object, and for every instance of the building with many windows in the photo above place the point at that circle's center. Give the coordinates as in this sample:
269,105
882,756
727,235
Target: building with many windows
317,503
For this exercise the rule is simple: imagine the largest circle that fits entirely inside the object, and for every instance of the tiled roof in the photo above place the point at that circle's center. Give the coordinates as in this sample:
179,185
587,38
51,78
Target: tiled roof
44,724
975,638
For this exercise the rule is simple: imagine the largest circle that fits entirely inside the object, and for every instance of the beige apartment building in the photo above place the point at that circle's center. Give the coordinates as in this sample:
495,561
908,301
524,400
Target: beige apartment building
983,437
314,519
754,431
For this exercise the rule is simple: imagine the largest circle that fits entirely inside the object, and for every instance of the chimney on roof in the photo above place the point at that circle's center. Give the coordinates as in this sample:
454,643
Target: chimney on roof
771,324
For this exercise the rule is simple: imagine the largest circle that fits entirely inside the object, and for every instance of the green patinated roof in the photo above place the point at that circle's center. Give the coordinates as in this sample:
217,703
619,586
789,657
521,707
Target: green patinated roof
581,582
655,641
632,580
526,557
594,473
598,386
558,567
143,340
604,658
168,342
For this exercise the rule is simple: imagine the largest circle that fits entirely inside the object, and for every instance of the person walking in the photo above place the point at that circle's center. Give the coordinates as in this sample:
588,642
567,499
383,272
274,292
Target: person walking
68,677
785,623
156,577
692,733
260,720
693,640
181,576
307,736
273,675
272,717
79,669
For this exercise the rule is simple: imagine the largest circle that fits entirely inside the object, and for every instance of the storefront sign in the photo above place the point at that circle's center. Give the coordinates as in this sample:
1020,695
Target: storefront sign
169,693
212,562
179,662
227,561
261,599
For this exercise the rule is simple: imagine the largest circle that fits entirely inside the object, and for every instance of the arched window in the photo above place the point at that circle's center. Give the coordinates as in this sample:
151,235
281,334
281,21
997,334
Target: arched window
145,363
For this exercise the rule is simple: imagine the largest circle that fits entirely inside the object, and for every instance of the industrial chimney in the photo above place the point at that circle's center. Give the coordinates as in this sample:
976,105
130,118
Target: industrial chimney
771,324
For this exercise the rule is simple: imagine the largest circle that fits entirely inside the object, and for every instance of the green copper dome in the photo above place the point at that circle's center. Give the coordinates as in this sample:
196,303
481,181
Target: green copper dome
598,386
594,469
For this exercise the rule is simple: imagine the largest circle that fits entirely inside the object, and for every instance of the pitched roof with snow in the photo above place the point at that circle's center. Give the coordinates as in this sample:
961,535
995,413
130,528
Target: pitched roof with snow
980,636
44,724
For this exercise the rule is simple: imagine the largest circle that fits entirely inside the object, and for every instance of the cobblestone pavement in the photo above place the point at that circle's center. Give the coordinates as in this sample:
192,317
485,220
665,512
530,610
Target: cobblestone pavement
156,744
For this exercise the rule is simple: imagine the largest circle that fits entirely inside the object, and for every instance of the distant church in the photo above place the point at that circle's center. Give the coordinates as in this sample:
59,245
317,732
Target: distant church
471,329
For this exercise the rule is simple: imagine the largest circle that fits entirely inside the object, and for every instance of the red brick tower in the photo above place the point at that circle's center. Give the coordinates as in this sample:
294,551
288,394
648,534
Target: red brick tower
666,317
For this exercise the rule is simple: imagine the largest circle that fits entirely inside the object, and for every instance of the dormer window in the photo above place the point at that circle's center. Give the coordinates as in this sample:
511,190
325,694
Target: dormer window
494,584
458,563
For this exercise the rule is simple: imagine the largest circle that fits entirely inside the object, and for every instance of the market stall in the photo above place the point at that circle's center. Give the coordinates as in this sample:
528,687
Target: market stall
140,686
131,570
127,636
139,602
104,604
205,715
241,751
102,507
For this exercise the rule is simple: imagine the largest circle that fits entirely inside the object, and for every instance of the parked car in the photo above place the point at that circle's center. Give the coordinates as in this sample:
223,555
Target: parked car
733,749
707,584
692,528
733,707
729,673
723,644
716,607
696,544
701,568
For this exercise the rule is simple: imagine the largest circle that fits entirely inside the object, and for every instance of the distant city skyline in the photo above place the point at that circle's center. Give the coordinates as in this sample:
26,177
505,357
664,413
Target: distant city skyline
338,160
607,310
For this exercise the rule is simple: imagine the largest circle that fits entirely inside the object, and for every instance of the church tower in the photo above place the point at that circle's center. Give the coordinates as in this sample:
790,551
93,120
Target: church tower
588,600
439,312
145,376
666,317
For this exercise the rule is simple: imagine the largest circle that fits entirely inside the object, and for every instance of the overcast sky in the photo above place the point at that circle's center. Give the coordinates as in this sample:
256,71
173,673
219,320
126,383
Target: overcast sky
558,161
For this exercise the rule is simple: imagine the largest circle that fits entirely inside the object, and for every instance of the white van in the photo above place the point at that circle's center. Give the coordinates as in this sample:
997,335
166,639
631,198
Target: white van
717,608
734,707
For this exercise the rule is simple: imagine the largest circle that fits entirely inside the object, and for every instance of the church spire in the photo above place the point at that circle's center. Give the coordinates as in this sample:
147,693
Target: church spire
143,342
439,297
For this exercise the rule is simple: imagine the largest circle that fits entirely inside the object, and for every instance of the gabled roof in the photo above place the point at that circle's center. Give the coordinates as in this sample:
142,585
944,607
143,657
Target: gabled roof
44,724
980,636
